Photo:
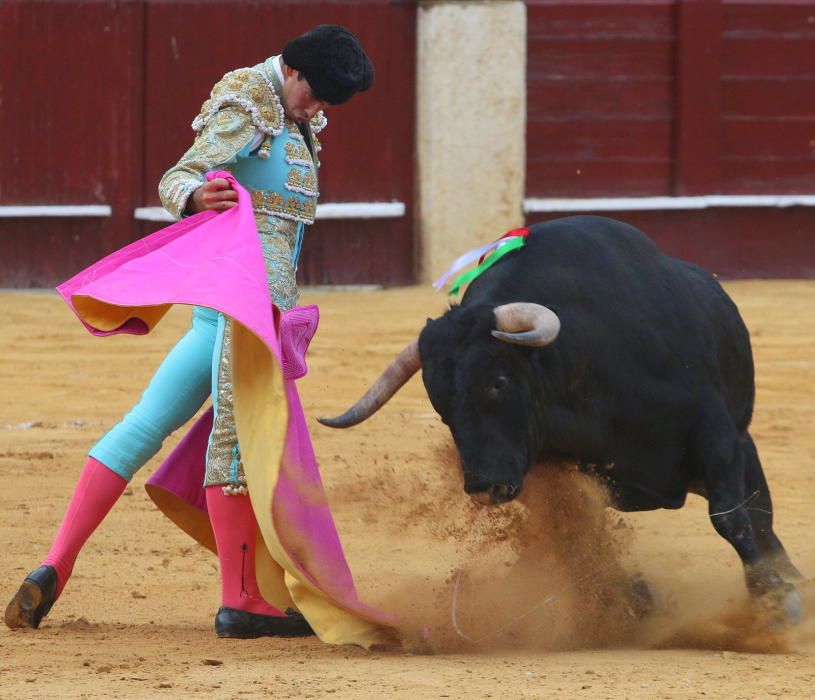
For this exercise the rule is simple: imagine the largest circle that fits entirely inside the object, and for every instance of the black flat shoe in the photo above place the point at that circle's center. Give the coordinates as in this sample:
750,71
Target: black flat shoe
239,624
34,599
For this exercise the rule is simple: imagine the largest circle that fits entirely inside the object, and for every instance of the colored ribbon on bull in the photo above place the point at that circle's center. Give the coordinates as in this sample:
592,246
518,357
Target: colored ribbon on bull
486,255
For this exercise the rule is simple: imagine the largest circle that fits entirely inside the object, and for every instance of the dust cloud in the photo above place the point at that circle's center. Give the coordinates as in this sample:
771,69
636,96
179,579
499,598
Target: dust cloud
551,571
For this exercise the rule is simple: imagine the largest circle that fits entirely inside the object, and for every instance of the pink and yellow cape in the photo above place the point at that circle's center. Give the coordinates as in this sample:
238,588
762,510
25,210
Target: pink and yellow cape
215,260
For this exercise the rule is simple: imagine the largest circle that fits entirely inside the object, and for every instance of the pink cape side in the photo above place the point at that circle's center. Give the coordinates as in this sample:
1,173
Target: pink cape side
215,260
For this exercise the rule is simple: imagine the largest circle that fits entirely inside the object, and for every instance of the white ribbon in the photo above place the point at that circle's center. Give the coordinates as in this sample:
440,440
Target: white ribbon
466,259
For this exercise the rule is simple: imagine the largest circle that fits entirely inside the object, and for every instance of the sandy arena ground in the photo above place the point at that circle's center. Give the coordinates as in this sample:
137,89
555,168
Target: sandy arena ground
136,619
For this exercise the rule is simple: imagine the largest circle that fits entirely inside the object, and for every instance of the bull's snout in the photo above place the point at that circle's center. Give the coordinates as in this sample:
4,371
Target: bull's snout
495,494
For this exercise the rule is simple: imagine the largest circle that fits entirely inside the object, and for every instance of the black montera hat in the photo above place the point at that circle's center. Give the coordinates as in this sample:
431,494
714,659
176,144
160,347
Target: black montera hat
333,62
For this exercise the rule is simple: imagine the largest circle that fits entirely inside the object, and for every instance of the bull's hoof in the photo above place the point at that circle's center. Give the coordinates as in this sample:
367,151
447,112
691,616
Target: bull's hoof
792,607
640,597
783,607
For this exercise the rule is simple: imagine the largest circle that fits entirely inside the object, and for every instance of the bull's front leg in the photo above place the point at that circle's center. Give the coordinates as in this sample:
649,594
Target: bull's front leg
760,508
719,451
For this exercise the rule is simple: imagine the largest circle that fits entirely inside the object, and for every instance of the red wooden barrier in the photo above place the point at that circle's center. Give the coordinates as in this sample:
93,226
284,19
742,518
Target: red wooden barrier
768,97
70,131
670,97
626,98
680,97
698,109
600,98
735,243
97,103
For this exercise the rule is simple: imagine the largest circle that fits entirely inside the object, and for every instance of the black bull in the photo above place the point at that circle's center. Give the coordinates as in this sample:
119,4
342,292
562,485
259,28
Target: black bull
591,344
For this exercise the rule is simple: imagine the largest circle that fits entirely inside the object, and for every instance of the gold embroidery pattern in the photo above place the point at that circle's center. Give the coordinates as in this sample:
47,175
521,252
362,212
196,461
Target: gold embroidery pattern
289,208
318,122
223,458
217,145
302,181
248,89
277,241
224,118
297,153
317,149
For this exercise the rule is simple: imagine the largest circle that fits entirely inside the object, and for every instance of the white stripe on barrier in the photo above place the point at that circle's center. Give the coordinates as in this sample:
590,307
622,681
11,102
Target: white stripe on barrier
338,210
361,210
534,206
25,211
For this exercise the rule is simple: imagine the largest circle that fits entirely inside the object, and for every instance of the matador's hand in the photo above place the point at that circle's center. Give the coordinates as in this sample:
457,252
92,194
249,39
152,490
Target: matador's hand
216,194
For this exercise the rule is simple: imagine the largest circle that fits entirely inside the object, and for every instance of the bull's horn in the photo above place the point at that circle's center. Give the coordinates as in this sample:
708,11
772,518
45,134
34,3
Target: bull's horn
526,324
406,364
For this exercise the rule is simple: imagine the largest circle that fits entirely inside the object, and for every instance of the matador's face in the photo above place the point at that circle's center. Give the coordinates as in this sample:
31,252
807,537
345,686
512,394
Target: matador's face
298,100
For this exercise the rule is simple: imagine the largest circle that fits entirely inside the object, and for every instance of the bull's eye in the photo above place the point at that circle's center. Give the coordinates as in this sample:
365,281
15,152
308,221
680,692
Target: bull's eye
498,385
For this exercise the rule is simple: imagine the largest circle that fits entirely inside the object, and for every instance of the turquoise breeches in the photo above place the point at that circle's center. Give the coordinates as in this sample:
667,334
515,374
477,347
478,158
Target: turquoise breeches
197,367
176,392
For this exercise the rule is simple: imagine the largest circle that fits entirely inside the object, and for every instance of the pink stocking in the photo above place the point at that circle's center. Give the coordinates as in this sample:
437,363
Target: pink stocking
235,530
95,493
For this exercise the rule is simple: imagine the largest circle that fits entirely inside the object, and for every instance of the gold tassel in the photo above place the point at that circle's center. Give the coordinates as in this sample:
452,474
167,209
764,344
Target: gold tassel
266,147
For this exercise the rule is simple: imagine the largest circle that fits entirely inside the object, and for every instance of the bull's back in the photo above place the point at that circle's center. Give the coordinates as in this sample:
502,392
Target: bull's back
598,252
638,309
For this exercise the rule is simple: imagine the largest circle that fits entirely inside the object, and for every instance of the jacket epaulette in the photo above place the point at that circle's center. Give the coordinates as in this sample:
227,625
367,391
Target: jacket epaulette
247,89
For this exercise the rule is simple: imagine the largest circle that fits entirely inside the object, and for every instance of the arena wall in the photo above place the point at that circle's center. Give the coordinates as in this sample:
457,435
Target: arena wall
694,119
97,99
707,104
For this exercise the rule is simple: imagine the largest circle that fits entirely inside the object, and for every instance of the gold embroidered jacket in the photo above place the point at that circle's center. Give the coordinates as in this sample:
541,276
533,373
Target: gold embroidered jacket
242,128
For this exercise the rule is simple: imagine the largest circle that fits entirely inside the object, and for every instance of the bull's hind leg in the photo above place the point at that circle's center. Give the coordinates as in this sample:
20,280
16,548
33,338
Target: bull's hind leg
720,454
760,508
